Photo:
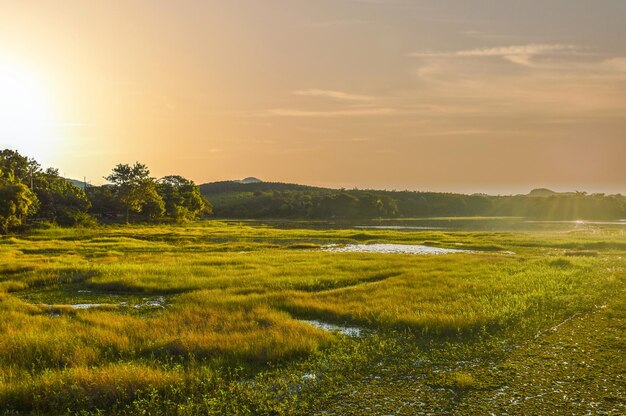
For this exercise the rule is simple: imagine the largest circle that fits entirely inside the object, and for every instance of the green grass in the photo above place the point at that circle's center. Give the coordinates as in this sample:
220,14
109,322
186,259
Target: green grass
227,337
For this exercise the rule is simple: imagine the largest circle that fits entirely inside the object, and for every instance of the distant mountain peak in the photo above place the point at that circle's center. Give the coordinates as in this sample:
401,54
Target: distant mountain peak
542,192
250,179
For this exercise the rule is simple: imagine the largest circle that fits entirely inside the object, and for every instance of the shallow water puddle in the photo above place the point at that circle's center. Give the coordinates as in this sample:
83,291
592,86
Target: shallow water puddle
85,305
397,227
390,249
158,302
350,331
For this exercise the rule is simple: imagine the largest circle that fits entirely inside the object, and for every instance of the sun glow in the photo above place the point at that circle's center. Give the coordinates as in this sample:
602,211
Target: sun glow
27,120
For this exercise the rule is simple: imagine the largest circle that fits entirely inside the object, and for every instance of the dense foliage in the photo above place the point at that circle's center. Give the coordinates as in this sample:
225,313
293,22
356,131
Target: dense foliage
134,195
29,192
16,203
60,201
279,200
181,198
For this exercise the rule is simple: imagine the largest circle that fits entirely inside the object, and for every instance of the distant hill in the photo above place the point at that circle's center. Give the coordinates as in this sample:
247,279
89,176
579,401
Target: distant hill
77,183
250,179
545,192
254,185
541,192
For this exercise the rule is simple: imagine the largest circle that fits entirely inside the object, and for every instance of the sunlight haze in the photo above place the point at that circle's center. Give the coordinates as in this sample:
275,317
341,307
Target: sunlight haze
464,96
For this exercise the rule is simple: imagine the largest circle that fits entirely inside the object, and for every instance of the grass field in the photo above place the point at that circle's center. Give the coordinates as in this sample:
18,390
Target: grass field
212,318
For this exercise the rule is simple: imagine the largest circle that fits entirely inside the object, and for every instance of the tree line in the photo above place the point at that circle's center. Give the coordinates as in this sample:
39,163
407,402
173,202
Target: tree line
30,193
267,200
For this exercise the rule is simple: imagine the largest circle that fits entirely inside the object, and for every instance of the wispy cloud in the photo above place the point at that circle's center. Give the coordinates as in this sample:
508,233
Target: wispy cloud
464,85
574,82
520,54
517,54
337,113
338,95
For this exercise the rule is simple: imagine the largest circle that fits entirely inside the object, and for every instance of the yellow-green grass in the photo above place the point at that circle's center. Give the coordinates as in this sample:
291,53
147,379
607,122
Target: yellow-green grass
235,294
464,293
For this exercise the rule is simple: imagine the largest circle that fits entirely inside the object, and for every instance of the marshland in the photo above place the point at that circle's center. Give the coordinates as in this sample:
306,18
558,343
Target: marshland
232,317
312,207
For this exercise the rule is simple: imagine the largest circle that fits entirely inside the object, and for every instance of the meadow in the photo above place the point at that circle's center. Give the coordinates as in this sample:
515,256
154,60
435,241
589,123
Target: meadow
220,318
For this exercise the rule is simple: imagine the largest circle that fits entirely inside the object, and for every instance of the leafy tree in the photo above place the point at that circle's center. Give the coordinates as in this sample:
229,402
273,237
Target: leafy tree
183,200
61,201
22,168
17,202
55,198
152,206
104,203
136,190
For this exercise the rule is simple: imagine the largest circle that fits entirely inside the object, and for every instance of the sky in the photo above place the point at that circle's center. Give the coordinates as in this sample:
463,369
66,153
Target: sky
495,96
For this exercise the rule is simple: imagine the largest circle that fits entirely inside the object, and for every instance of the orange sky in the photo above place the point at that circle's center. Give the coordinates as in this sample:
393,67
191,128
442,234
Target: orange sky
468,96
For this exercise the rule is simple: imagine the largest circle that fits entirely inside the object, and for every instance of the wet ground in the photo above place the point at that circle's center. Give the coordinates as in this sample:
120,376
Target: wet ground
575,368
350,331
390,249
